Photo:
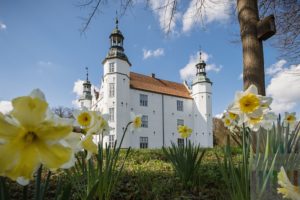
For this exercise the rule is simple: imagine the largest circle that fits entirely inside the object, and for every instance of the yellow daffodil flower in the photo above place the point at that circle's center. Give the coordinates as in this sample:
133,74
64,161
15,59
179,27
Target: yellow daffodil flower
29,139
136,121
184,131
88,144
287,189
249,103
232,116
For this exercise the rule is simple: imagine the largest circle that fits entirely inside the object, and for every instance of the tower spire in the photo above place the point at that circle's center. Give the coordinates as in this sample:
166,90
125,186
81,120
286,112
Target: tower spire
116,49
201,71
87,73
86,97
117,21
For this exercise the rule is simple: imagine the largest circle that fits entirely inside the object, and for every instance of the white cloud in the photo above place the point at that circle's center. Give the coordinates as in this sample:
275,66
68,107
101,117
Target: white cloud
211,11
163,10
2,26
275,68
78,90
189,70
284,87
219,116
44,63
45,66
5,107
241,76
153,53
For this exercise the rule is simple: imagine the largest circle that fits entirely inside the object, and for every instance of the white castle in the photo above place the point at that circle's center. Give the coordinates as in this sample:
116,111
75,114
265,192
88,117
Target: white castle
163,104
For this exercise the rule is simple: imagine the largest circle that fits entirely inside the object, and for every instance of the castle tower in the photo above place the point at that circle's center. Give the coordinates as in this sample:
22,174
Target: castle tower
116,87
86,98
202,94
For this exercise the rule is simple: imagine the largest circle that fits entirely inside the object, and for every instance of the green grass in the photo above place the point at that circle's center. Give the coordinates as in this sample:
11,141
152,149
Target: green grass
148,175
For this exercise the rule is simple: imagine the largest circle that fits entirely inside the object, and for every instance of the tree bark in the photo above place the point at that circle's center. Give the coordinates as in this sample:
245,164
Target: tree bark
253,58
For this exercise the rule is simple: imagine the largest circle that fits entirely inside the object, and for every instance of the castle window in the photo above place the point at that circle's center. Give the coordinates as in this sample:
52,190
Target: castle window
111,90
111,141
111,67
143,100
180,142
179,105
111,114
180,122
144,121
143,142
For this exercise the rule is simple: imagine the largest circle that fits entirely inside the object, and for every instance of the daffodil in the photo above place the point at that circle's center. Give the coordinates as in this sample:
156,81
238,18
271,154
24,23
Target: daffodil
232,116
88,144
184,131
265,121
248,105
246,102
136,121
228,122
100,125
254,123
287,189
84,118
290,119
269,120
30,139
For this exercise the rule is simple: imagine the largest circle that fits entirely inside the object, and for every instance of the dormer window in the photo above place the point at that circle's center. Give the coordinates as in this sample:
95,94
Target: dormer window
111,67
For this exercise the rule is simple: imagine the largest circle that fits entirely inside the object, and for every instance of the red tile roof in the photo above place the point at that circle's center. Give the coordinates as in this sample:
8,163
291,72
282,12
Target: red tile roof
152,84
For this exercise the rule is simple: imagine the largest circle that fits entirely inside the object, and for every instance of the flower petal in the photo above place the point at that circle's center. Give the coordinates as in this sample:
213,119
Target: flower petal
26,164
29,111
252,89
8,156
49,131
7,129
89,145
53,156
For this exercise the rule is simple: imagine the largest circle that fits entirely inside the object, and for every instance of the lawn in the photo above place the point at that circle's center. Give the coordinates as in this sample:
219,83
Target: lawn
148,175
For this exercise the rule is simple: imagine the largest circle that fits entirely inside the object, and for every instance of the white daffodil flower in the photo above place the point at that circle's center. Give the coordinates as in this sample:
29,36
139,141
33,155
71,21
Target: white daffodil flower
136,122
290,119
287,189
250,106
84,119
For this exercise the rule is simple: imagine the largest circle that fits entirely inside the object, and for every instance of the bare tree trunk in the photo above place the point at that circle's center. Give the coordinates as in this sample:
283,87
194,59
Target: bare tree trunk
253,58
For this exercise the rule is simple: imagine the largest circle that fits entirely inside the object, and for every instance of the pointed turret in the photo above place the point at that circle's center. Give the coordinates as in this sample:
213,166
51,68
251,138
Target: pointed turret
201,71
116,49
86,98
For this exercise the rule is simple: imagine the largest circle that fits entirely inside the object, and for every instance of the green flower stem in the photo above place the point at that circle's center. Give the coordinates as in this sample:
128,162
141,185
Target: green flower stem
38,183
3,189
25,192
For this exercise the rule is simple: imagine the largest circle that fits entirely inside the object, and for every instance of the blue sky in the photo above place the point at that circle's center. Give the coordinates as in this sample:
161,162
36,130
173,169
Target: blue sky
41,47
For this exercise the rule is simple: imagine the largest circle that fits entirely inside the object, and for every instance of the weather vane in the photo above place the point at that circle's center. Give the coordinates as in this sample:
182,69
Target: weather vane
117,21
200,52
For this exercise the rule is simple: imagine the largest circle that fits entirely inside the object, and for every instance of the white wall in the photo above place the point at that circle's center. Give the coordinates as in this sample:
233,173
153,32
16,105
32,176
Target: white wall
201,92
